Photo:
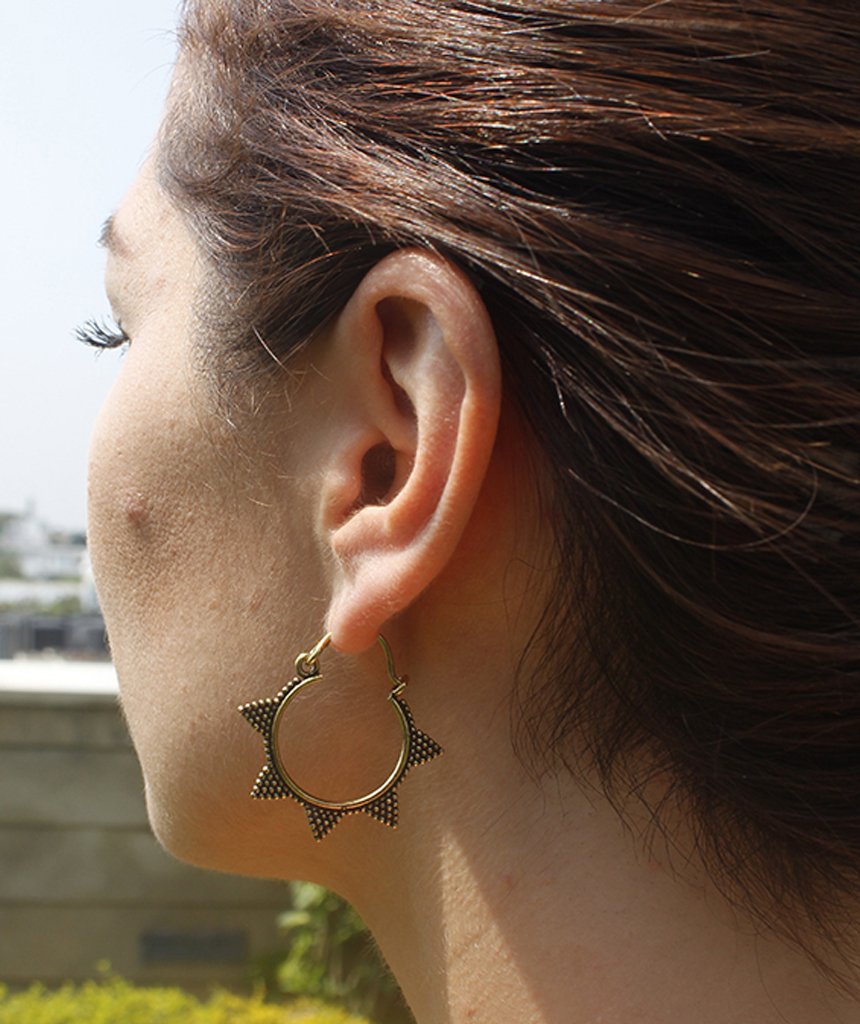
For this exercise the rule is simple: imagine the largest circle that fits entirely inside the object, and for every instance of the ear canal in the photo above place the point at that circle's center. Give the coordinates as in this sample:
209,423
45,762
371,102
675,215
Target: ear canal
378,475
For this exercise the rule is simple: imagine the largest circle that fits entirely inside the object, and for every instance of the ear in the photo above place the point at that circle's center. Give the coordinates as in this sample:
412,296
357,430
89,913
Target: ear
414,364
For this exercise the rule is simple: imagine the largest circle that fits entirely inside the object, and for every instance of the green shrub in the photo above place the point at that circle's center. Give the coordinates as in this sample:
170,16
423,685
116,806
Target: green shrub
117,1002
333,957
10,567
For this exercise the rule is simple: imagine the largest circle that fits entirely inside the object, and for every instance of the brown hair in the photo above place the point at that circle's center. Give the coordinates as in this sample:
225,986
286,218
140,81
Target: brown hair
659,204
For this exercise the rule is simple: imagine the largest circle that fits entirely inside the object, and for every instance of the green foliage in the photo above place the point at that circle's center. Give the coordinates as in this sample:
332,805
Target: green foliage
332,957
10,568
70,605
117,1002
62,606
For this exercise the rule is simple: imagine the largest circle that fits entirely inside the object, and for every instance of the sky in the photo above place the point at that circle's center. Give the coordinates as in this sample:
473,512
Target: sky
83,84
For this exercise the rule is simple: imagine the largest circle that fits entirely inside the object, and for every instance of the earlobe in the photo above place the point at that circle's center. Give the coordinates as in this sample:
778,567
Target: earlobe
416,341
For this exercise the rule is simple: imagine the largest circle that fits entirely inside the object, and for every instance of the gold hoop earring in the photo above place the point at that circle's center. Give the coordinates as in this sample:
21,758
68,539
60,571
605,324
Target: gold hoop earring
274,781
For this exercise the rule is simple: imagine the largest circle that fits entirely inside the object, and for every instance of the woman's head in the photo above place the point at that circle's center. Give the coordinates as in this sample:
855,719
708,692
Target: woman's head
657,209
222,540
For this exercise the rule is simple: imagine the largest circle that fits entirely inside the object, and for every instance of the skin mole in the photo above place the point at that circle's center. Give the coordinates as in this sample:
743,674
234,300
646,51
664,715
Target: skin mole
136,508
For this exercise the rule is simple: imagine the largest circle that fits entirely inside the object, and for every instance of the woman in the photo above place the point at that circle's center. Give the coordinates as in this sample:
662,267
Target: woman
523,334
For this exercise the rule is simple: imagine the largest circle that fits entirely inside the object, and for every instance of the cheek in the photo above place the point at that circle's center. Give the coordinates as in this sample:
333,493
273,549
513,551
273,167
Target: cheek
209,591
161,584
159,532
137,498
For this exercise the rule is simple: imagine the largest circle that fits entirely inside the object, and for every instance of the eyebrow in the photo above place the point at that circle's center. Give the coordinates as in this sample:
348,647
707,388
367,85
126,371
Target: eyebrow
110,239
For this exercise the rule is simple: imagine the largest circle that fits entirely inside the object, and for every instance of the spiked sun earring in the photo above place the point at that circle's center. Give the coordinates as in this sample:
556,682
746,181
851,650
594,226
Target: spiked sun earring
274,781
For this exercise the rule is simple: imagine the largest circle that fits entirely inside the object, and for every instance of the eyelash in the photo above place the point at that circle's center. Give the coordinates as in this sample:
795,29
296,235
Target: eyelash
98,335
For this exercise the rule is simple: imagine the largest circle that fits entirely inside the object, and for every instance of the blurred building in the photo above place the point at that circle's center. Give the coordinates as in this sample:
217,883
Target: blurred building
35,552
78,636
48,601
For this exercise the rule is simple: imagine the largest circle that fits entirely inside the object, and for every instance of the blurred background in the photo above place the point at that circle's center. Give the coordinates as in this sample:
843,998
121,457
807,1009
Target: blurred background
83,85
85,891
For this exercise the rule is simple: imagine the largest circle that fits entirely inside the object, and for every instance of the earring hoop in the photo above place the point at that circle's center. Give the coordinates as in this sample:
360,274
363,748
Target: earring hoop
274,782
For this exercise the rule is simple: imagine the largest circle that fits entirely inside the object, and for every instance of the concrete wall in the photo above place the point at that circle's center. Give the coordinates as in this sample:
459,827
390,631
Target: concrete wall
81,878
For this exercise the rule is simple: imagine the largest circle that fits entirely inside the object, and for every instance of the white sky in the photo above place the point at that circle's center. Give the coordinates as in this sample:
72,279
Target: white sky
82,86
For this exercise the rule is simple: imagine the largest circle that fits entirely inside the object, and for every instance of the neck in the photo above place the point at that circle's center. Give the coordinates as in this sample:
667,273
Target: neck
533,904
506,900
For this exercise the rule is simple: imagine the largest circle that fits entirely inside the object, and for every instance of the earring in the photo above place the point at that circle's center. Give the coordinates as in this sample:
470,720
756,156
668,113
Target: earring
275,783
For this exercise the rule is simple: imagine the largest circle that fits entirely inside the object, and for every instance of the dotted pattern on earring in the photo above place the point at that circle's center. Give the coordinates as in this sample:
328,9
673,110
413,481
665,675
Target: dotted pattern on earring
275,783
